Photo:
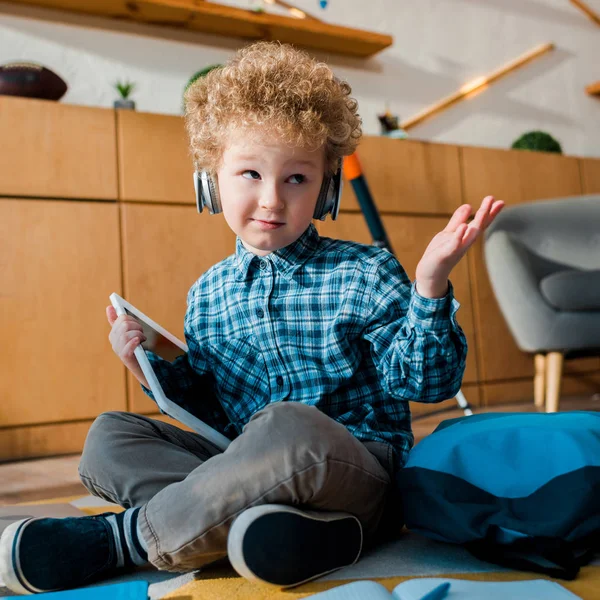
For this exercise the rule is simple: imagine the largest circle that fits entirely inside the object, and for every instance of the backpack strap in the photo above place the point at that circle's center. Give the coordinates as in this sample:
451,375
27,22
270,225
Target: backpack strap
550,556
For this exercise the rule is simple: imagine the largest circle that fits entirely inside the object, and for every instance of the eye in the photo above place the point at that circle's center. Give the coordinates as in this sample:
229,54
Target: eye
250,174
297,178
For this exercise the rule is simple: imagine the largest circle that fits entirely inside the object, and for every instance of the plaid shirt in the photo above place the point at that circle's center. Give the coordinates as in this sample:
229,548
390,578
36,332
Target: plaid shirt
329,323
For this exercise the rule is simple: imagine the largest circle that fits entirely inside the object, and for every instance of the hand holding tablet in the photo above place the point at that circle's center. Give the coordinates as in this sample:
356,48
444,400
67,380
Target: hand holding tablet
156,340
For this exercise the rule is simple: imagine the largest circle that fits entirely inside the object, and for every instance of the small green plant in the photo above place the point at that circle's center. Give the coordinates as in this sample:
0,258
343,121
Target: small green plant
537,140
124,88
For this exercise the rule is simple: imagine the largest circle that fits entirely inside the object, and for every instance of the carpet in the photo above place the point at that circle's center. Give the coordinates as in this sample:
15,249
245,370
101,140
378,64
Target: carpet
410,556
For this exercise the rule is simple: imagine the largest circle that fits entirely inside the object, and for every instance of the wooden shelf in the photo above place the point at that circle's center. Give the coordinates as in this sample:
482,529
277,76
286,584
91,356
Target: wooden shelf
593,89
219,19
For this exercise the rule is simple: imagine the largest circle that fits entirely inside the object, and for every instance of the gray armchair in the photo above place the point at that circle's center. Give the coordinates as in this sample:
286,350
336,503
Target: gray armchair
543,261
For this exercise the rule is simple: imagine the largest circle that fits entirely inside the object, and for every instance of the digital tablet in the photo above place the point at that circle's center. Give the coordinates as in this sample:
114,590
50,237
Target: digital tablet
165,345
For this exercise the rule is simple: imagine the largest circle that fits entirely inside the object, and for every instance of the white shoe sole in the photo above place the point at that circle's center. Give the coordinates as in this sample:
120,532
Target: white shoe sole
10,573
285,546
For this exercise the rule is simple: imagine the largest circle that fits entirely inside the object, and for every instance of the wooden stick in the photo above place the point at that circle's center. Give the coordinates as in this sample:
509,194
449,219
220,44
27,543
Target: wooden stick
477,84
587,10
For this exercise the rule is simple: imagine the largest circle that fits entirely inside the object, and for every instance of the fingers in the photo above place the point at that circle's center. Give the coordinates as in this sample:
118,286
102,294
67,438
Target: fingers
124,329
461,230
487,212
111,314
483,212
496,208
129,348
460,216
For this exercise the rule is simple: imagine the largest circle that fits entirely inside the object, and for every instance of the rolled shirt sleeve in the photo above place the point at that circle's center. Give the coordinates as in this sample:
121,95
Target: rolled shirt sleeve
417,344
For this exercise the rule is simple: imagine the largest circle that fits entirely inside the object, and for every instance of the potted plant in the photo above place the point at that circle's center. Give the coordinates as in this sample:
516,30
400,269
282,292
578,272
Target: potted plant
124,88
537,140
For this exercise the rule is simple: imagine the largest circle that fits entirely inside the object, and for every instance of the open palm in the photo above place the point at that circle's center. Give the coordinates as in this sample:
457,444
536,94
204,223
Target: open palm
447,248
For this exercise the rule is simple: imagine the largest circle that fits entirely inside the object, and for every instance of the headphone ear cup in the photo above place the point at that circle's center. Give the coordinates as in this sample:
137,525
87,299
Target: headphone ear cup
320,208
209,193
336,192
198,191
330,196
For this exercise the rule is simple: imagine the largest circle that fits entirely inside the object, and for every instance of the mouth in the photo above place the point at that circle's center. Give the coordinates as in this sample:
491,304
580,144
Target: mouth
268,223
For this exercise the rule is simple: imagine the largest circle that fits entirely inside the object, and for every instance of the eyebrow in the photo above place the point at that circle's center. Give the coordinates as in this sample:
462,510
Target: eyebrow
250,157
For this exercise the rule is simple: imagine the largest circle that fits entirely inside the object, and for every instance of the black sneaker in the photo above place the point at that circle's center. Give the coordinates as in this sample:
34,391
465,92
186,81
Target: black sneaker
44,555
286,546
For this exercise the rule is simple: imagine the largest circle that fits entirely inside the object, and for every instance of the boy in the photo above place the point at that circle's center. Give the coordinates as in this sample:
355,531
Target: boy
303,350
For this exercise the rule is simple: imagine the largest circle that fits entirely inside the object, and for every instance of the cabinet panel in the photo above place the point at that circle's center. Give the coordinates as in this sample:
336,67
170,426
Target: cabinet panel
57,150
590,173
516,177
166,249
154,163
61,261
33,441
408,176
409,236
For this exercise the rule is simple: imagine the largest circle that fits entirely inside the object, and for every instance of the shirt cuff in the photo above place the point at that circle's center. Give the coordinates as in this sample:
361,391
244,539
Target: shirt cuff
433,314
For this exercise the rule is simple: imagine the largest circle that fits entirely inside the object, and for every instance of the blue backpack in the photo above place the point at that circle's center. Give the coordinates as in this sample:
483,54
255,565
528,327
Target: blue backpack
517,489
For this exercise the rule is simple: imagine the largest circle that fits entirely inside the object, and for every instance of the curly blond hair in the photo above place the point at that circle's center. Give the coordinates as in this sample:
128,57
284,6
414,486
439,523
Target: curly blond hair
272,89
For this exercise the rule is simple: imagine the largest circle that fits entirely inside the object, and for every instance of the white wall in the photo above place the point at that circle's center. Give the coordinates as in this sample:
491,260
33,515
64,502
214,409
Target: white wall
439,45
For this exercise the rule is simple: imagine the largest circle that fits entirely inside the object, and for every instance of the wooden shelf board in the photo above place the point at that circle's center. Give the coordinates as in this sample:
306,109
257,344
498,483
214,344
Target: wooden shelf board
219,19
593,89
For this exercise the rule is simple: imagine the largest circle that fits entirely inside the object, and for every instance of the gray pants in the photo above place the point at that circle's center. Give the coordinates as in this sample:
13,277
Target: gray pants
190,493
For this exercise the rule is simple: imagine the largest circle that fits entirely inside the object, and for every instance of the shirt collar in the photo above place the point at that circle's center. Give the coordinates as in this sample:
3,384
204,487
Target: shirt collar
286,260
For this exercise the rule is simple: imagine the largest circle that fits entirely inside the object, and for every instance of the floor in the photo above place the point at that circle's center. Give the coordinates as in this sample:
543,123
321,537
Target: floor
38,479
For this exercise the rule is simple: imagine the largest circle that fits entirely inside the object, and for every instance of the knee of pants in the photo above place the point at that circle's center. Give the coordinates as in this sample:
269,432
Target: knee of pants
293,424
97,456
302,435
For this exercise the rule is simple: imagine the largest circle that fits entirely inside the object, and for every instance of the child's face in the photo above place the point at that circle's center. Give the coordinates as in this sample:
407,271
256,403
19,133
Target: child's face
269,191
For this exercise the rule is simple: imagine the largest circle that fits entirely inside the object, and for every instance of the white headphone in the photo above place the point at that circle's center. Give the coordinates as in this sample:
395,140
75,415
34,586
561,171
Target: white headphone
207,194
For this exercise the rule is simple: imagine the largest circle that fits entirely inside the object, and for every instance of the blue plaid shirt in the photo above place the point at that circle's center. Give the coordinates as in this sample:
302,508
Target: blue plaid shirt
329,323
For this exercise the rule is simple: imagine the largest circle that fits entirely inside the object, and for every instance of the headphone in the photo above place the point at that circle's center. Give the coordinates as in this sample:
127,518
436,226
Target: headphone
330,194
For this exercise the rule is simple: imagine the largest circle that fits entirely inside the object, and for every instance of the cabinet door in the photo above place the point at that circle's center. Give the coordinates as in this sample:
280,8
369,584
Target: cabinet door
154,162
165,249
60,261
408,176
53,150
516,177
590,174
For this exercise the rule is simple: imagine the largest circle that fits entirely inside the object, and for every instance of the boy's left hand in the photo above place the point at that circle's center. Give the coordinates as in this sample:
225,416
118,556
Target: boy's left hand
449,246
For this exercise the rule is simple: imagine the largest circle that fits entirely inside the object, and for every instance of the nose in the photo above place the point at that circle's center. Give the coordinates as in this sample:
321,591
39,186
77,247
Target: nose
271,198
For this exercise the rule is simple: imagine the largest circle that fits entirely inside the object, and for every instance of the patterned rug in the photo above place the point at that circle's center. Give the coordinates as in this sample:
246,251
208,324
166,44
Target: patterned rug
410,556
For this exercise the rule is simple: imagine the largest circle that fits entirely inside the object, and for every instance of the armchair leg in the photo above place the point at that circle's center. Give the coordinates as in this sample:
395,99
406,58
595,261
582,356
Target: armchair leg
554,367
539,380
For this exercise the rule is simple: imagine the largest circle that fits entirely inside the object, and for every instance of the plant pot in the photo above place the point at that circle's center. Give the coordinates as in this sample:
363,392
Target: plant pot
125,104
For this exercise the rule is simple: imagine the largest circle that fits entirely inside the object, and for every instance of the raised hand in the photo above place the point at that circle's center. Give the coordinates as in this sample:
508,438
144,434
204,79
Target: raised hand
447,248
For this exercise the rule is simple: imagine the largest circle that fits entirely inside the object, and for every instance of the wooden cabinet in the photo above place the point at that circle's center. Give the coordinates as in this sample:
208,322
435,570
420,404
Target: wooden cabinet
60,261
518,176
154,162
54,150
590,175
407,176
62,253
165,249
